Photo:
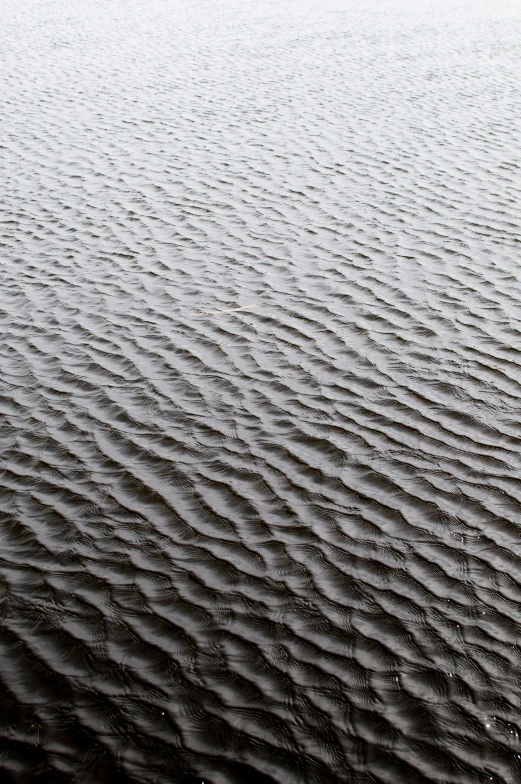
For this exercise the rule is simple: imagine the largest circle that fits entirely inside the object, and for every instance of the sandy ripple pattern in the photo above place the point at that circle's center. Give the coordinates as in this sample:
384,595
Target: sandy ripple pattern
260,389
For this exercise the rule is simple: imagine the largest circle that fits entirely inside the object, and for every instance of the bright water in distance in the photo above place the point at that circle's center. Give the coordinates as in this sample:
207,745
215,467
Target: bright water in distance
281,544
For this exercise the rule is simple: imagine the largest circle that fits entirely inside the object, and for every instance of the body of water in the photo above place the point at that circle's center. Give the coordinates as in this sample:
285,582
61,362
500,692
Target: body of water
260,390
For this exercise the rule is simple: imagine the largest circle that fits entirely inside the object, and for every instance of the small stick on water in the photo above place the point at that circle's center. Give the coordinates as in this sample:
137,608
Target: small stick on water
216,312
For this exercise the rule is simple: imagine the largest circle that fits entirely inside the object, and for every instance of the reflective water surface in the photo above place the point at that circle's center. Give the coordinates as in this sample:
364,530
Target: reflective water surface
260,373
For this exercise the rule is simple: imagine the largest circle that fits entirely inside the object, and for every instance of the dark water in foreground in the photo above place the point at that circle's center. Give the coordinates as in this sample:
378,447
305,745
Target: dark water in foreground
279,544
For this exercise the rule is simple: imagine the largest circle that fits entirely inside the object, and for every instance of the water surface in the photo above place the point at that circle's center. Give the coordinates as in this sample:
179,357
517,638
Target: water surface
260,375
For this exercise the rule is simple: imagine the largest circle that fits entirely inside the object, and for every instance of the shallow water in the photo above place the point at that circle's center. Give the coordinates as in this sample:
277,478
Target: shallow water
260,310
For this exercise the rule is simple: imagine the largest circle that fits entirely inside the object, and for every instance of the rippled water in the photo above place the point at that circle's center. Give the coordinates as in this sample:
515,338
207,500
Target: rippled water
277,544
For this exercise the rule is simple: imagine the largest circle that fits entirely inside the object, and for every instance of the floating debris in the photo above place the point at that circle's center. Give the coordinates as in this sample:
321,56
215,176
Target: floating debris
216,312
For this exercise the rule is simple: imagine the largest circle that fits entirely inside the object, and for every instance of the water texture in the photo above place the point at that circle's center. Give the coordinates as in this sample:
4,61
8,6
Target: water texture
260,377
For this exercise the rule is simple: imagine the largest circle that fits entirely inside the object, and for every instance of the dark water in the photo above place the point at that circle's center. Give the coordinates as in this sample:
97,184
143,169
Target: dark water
278,544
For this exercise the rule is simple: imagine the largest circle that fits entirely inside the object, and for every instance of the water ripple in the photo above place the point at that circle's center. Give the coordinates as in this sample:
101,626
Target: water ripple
259,394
